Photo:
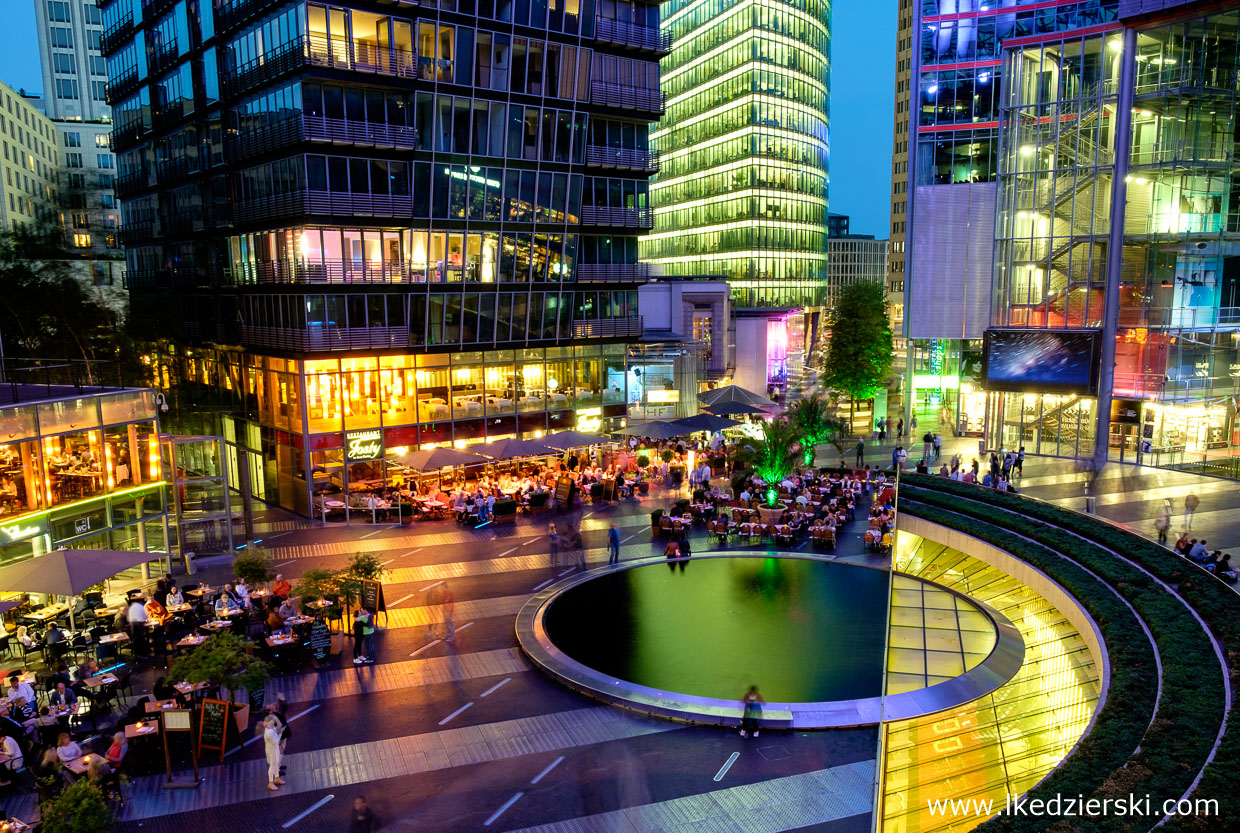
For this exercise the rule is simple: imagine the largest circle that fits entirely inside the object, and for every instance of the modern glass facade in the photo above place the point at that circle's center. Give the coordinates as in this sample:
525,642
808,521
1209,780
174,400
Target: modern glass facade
1151,260
406,216
81,470
743,149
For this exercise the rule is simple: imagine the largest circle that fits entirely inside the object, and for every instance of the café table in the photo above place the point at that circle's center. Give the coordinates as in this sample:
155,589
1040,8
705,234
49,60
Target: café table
23,676
186,689
157,706
216,625
259,594
320,603
106,678
113,638
298,620
14,825
277,641
192,640
230,612
80,766
141,729
199,592
47,613
181,608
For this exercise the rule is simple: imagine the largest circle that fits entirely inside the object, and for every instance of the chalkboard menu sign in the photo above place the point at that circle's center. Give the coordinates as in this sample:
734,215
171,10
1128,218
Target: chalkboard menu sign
563,489
372,596
609,489
320,640
257,699
213,725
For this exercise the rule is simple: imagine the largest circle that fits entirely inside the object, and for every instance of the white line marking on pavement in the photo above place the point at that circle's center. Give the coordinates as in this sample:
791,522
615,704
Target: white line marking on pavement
368,534
634,535
385,563
282,563
411,552
277,535
463,627
257,738
566,572
497,686
544,584
455,713
429,586
304,713
532,540
316,805
550,767
424,647
502,810
505,552
402,599
723,770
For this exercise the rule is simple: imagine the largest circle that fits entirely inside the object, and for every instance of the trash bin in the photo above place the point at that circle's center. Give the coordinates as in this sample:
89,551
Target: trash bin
189,563
1090,503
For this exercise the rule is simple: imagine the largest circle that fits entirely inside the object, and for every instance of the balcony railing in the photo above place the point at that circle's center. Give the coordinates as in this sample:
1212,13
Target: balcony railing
178,168
592,215
115,35
154,8
230,14
338,272
119,87
617,272
608,328
131,233
126,136
628,98
627,158
130,183
163,278
289,131
325,338
320,52
163,56
631,35
322,202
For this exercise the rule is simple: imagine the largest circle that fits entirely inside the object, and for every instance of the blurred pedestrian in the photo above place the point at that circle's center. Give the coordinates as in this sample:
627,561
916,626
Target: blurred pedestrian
613,545
554,538
753,701
1190,508
271,743
449,611
361,819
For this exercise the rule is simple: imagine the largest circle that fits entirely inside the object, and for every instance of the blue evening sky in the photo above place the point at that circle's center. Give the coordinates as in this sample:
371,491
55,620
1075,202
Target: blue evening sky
863,42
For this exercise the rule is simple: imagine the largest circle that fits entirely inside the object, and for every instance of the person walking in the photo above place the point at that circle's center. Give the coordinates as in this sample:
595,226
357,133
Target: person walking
361,819
368,632
271,743
1162,523
900,429
613,545
554,538
449,610
359,636
1190,508
912,423
936,444
927,446
860,453
753,701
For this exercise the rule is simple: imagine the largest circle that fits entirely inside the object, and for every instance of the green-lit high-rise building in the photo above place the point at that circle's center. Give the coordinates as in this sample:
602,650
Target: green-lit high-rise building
743,149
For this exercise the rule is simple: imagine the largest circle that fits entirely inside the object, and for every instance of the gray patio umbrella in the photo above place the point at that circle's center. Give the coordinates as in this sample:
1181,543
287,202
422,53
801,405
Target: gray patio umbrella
511,448
733,393
69,572
656,430
706,422
564,440
733,408
439,458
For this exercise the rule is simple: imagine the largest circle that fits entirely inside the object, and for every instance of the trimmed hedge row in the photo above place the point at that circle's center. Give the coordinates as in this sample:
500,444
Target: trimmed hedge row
1125,717
1190,713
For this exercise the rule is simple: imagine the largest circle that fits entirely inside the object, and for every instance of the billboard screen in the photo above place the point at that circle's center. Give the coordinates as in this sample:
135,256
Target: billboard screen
1042,361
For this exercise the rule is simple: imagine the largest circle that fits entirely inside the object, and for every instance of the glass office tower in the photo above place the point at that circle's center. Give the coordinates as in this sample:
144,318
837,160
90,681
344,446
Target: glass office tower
743,151
416,219
1119,211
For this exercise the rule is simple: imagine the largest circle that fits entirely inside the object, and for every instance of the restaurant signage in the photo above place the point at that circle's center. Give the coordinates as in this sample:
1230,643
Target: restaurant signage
21,530
213,726
363,445
589,419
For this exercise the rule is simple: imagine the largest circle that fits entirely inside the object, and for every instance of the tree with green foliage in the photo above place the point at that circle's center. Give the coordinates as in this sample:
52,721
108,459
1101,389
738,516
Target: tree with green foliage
814,426
81,808
860,351
252,568
773,457
222,660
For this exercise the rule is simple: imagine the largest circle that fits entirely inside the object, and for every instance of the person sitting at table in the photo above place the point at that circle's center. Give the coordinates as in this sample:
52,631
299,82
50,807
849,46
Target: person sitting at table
21,710
19,689
102,775
242,593
62,695
85,671
118,750
24,637
13,750
66,749
460,506
156,612
226,602
281,588
287,609
174,597
60,676
46,719
275,621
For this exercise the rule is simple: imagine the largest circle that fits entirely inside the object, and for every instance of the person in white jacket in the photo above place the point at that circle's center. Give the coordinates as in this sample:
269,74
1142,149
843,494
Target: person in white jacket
271,738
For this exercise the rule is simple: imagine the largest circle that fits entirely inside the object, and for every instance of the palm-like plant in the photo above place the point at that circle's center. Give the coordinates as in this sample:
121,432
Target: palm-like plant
812,424
773,457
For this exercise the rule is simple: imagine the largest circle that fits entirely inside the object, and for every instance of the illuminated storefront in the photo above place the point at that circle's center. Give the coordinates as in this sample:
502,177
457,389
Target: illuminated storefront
315,424
743,150
81,470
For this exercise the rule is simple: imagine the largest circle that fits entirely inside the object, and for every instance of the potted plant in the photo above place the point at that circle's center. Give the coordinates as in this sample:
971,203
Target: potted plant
225,661
655,516
667,456
643,461
81,808
315,585
252,569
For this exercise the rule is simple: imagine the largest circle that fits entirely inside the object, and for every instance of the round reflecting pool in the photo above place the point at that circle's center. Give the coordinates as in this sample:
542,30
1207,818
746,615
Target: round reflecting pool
800,630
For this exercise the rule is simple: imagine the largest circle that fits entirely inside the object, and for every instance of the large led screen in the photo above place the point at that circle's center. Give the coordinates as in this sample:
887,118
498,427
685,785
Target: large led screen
1042,361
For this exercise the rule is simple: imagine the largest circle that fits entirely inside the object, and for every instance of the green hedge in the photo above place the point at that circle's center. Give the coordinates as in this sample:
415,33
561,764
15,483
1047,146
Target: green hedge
1191,710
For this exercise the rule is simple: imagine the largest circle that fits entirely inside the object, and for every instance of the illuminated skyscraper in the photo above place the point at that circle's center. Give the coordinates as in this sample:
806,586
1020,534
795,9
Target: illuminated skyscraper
743,148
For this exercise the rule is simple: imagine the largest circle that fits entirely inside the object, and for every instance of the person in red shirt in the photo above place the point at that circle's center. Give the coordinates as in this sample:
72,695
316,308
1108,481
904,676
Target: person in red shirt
282,588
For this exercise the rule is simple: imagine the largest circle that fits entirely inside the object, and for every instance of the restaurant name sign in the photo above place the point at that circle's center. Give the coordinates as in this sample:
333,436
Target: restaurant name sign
363,445
20,531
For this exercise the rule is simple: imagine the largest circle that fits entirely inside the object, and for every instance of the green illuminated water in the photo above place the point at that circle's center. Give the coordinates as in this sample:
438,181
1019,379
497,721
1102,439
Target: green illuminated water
802,631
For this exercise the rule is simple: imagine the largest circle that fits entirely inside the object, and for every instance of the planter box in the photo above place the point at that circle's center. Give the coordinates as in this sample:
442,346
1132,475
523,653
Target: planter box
241,714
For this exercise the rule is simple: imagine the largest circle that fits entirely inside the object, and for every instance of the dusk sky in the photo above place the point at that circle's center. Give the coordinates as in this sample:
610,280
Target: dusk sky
863,44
